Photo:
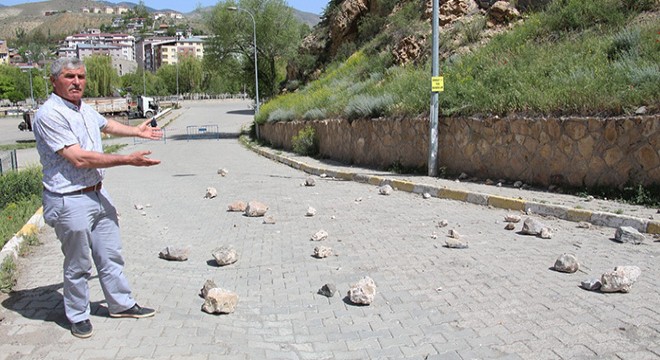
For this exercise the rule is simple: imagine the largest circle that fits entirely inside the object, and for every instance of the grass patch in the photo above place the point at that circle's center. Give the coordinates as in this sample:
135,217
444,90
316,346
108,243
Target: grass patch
7,274
111,149
20,197
305,142
18,146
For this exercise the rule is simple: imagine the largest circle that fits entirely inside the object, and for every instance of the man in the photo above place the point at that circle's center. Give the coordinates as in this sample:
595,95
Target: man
75,203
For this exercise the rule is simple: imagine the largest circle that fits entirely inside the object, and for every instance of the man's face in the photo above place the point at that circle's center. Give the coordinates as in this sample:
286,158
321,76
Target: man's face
70,85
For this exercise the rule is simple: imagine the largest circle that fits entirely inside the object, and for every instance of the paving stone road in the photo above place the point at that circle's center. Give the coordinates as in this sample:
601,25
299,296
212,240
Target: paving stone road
498,299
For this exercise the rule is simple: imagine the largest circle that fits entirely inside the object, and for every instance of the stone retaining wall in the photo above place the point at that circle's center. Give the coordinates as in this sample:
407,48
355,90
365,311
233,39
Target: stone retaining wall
575,151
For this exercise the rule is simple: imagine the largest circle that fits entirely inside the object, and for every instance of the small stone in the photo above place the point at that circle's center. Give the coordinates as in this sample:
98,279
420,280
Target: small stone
255,209
220,301
223,172
224,256
323,175
363,292
463,176
138,207
592,284
143,213
518,184
269,220
321,252
208,285
328,290
499,184
309,181
642,110
510,218
454,234
510,226
545,233
584,225
320,235
456,243
385,190
489,182
628,234
310,211
358,200
443,223
211,192
426,195
532,226
174,253
619,280
567,263
237,206
589,198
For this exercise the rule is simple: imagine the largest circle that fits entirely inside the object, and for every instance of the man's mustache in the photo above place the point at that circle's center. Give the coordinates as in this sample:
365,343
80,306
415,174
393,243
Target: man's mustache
74,87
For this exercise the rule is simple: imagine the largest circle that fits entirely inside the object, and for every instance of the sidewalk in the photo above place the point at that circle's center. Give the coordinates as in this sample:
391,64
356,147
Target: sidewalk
495,300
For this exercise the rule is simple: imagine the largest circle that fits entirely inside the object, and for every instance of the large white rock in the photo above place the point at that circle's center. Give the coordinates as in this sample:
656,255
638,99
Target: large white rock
220,301
363,292
621,279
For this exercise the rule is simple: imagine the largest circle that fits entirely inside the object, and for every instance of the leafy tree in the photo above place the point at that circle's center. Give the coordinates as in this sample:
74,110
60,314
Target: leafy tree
277,32
101,77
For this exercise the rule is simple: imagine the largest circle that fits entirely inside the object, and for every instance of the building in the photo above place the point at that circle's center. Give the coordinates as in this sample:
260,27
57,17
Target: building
125,42
4,53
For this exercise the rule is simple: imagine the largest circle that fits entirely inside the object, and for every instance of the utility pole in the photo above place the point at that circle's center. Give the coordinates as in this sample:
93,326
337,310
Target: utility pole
433,130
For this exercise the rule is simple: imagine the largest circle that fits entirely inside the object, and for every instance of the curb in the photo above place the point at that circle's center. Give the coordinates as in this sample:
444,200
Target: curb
559,211
32,227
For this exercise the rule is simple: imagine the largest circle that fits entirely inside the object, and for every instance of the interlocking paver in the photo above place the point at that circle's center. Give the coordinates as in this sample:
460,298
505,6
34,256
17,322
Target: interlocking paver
496,299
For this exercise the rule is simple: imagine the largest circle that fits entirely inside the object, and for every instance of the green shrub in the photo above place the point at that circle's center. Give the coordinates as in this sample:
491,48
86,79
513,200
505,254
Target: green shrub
367,106
472,29
314,114
7,274
624,43
305,142
20,185
281,115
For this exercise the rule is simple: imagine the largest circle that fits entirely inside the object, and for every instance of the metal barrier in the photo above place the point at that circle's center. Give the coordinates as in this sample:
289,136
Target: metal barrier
202,132
8,161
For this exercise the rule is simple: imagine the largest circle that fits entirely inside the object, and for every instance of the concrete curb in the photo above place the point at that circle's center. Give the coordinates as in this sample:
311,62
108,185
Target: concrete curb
32,227
558,211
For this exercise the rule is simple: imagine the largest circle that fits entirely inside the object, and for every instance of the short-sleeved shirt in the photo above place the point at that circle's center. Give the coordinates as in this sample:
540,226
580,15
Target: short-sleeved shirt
58,124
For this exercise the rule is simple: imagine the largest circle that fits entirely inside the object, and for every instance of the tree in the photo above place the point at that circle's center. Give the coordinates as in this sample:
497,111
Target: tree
277,31
101,77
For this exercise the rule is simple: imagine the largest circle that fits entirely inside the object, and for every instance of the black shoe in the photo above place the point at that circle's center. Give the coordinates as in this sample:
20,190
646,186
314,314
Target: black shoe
136,312
82,329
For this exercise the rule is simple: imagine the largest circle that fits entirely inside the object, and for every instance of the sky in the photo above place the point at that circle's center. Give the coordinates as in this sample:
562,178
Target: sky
312,6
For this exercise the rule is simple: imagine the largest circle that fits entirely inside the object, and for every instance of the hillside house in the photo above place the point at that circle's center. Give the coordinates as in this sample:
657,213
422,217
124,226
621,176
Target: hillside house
4,53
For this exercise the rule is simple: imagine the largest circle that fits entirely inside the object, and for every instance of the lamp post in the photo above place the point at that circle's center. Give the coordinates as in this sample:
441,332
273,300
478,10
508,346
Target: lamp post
176,57
46,75
433,128
256,69
28,54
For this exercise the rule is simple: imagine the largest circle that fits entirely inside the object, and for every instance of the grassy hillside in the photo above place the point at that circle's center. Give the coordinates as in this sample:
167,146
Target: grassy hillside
576,57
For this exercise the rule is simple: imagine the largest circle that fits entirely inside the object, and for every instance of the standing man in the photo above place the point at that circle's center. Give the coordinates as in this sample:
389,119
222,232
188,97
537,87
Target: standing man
75,203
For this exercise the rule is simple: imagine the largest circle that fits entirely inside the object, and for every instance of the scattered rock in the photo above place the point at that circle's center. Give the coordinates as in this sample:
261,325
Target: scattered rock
442,223
510,218
220,301
592,284
309,181
310,211
362,292
621,279
510,226
320,235
589,198
321,252
255,209
328,290
642,110
269,220
567,263
426,195
385,190
323,175
584,225
545,234
211,192
174,253
208,285
454,234
358,200
138,207
463,176
627,234
223,172
237,206
456,243
532,226
224,256
518,184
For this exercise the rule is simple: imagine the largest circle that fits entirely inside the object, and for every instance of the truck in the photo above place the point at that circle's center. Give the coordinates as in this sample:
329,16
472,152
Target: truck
145,107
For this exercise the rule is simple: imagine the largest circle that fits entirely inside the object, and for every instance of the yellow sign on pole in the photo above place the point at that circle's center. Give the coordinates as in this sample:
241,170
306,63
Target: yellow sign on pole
437,84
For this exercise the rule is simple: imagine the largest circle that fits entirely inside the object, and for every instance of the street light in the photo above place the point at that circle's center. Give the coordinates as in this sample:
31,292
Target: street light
256,71
45,76
176,57
28,54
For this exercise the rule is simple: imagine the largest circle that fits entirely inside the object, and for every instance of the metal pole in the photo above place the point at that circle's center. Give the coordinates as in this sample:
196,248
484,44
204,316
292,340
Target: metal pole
177,76
433,130
31,90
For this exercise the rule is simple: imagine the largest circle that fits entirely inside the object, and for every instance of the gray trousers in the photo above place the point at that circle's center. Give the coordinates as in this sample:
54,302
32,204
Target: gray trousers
82,223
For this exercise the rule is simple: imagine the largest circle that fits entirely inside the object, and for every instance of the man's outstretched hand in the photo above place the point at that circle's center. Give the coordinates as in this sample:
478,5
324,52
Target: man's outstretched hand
139,158
147,132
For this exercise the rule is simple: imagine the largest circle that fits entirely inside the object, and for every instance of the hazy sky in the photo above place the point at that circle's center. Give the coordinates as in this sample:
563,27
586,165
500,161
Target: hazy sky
312,6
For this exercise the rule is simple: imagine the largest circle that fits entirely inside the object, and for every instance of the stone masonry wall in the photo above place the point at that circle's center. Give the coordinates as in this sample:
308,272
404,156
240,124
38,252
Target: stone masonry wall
574,151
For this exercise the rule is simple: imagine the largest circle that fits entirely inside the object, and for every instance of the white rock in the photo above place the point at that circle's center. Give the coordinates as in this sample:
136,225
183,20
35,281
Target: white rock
320,235
363,292
211,192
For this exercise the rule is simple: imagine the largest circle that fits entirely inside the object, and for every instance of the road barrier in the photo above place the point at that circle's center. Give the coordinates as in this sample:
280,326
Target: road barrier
202,132
8,161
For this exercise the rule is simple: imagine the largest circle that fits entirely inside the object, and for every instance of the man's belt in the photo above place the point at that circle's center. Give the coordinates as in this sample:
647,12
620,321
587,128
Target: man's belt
96,187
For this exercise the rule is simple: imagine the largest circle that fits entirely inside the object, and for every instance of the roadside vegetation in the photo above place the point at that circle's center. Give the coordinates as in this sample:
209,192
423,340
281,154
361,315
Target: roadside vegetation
20,197
575,57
